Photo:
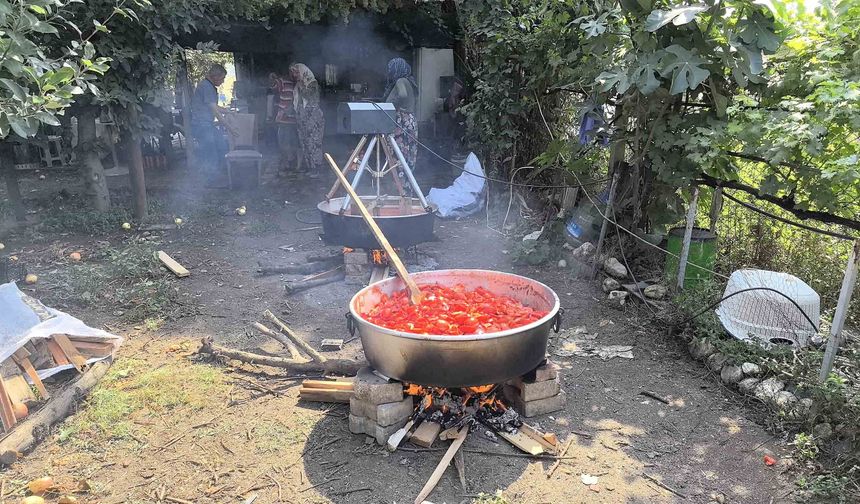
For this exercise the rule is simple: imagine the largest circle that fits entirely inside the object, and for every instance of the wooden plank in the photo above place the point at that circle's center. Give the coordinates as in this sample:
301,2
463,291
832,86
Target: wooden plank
71,352
548,441
443,464
523,442
425,434
849,280
57,353
177,269
327,385
7,414
414,291
324,395
27,366
19,390
95,348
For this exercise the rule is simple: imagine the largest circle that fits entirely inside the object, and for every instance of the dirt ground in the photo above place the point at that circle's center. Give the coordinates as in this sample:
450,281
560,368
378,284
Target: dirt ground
207,432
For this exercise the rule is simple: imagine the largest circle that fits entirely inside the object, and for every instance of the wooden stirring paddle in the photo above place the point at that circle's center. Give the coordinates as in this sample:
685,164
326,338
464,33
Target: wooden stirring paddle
414,291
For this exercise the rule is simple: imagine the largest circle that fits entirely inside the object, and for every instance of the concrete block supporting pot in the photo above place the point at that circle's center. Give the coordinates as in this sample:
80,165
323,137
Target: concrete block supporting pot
383,414
372,389
537,407
534,390
361,425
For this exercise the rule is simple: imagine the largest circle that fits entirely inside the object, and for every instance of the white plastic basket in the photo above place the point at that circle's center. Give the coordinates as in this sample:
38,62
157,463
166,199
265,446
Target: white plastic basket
766,316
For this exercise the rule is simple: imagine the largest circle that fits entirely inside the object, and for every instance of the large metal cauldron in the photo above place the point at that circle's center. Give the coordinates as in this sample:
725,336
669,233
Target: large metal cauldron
458,361
404,227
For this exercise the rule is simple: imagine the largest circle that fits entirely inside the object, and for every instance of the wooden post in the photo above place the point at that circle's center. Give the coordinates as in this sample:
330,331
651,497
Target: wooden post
135,170
7,166
688,236
605,226
848,283
716,208
185,97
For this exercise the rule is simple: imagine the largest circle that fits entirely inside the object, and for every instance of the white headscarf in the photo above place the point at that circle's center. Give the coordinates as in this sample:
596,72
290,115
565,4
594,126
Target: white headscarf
306,77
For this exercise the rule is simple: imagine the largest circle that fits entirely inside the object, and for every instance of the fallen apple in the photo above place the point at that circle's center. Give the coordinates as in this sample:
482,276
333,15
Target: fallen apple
31,279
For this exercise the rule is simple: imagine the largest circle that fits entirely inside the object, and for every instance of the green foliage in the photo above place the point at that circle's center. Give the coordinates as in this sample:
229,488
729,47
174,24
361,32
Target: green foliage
39,76
805,447
828,488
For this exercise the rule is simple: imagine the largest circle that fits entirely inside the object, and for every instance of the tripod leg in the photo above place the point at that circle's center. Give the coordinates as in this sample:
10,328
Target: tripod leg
361,168
394,165
405,167
347,166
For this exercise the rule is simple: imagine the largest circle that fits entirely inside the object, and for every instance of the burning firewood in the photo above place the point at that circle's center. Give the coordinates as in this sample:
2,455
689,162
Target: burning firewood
443,464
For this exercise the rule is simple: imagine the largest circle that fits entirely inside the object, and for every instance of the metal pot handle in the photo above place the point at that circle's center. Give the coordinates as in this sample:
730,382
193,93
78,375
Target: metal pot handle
556,321
350,324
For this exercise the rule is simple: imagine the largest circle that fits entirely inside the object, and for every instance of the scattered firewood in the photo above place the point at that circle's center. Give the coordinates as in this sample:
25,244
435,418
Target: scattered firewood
293,269
300,285
38,425
560,457
332,366
328,384
522,441
171,264
443,464
654,396
325,395
290,334
548,440
460,464
280,338
325,274
425,434
663,485
395,439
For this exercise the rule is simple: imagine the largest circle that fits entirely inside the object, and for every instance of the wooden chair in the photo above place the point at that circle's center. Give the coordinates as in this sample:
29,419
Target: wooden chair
243,148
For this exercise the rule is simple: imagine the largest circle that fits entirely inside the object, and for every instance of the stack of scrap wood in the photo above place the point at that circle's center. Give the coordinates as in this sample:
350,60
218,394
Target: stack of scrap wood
338,390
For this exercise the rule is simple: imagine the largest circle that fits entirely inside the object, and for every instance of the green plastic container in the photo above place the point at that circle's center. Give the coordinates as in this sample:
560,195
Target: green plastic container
703,252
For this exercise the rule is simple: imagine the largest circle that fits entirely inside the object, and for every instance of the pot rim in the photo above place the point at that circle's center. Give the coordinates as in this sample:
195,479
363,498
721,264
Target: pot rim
468,337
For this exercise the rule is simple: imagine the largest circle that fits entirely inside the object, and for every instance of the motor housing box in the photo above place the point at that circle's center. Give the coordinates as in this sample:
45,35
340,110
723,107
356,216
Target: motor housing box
365,118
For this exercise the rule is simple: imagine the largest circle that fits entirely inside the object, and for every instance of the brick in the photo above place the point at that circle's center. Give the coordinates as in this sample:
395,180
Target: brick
535,408
358,258
383,414
375,390
532,391
548,371
361,425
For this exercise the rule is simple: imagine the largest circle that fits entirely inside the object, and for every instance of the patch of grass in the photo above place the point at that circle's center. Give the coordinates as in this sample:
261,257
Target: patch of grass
496,498
80,220
129,279
825,488
271,435
153,323
132,386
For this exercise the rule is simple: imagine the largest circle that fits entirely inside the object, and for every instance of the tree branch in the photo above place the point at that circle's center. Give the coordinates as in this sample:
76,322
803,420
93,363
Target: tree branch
784,202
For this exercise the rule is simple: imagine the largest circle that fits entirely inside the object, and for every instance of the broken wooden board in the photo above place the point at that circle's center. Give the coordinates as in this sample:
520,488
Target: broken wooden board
425,434
523,442
171,264
331,344
57,353
93,347
327,385
19,390
324,395
71,352
7,414
548,441
22,358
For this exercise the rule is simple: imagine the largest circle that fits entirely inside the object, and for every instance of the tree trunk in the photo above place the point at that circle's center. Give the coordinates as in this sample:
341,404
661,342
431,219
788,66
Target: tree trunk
7,166
135,170
185,106
91,163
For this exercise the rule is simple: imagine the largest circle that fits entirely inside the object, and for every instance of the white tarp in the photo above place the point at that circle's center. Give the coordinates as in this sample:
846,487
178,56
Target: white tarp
19,323
460,199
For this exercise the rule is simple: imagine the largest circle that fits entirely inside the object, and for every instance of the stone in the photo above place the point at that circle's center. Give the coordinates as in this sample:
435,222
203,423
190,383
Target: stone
750,369
548,371
748,385
383,414
803,408
618,298
611,284
822,431
655,291
530,409
562,263
716,361
532,391
584,251
731,374
701,349
371,388
767,390
785,400
615,268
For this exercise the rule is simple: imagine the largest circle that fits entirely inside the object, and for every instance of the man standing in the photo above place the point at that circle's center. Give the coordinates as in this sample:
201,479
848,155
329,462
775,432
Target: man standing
211,144
283,90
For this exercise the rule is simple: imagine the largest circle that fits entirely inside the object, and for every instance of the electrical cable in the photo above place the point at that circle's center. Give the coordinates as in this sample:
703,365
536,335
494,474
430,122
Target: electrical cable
733,294
491,179
788,221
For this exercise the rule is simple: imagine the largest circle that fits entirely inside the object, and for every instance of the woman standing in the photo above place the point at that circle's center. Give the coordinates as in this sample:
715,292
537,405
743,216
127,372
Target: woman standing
402,91
309,116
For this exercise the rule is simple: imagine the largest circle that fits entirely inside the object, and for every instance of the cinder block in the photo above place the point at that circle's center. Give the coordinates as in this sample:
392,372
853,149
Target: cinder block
532,391
356,279
530,409
548,371
361,425
383,414
375,390
355,269
356,258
